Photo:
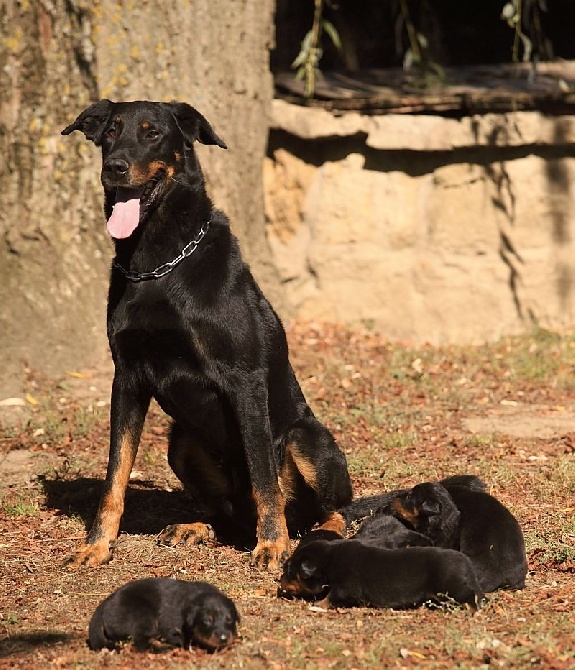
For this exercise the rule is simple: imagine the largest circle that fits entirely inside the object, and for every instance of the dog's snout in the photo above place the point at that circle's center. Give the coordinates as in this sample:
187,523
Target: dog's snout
116,167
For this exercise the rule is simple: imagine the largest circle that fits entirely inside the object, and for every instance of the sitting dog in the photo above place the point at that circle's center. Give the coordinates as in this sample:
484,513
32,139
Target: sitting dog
189,326
472,521
348,573
177,612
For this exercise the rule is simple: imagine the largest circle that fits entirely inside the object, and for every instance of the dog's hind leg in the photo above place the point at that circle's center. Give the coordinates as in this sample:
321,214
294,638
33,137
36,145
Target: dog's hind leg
312,451
202,478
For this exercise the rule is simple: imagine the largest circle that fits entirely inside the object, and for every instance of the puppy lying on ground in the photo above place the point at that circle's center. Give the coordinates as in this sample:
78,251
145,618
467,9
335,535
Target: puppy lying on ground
472,521
317,535
361,509
350,573
178,612
387,532
380,530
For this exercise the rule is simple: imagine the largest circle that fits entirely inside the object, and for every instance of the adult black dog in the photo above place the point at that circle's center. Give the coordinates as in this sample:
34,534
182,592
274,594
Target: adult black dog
188,326
473,522
177,612
348,573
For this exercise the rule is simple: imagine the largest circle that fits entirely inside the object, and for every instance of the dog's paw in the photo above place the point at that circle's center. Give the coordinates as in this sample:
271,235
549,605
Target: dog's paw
89,555
186,533
271,555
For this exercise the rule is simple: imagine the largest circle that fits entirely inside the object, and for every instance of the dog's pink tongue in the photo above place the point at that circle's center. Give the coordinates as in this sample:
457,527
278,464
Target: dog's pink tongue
126,213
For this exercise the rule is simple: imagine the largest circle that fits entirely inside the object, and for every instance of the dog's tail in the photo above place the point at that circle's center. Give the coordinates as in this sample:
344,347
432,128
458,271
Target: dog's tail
96,633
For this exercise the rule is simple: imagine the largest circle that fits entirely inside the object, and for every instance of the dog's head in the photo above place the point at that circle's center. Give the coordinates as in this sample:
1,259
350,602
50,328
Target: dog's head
303,573
429,509
147,147
211,621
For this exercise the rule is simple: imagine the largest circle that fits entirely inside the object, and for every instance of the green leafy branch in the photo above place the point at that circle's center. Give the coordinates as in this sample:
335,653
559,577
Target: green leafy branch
524,17
307,61
417,53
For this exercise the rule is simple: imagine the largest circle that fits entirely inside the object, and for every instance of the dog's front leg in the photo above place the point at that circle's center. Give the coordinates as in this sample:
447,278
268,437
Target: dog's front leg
128,411
273,544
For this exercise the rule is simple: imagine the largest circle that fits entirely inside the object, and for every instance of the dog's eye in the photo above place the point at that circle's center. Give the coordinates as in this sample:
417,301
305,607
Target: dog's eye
152,134
111,132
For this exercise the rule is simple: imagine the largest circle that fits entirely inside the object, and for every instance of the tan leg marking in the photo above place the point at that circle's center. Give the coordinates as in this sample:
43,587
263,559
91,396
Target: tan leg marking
186,533
107,523
273,545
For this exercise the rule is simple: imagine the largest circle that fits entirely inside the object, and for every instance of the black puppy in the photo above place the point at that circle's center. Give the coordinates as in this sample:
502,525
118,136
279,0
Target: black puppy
178,612
473,522
189,326
366,507
317,536
430,509
350,573
387,532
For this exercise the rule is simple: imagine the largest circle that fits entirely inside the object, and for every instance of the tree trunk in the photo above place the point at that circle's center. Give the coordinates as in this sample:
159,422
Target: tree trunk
55,59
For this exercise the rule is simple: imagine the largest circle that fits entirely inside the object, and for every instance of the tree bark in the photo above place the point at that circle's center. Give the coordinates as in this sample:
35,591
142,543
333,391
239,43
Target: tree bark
55,59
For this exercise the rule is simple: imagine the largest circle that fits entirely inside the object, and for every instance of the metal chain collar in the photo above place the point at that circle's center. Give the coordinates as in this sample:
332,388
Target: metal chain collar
165,268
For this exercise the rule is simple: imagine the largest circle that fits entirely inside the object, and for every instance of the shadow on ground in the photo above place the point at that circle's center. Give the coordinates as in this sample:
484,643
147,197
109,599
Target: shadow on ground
28,642
148,509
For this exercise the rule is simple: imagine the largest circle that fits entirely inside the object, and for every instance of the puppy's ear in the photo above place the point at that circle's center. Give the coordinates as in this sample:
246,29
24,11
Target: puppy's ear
307,569
92,121
430,507
190,614
193,125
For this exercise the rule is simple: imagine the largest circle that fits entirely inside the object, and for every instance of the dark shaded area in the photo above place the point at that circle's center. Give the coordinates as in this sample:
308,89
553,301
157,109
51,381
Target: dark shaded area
148,509
413,163
458,33
28,642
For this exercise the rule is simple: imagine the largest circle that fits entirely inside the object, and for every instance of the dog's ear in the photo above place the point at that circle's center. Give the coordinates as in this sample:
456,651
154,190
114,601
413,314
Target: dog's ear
190,613
92,121
194,126
430,507
307,569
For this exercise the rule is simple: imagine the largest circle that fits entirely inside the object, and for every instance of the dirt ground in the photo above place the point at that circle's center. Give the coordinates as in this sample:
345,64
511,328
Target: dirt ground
505,412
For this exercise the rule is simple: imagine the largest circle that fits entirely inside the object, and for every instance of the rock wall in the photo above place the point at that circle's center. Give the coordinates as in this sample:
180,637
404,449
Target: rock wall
429,228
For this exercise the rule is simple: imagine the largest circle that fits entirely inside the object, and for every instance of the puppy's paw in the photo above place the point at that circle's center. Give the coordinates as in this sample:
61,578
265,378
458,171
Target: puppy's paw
186,533
90,555
271,555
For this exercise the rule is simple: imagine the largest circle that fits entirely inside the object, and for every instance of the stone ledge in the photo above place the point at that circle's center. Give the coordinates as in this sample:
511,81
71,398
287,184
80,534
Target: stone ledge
398,132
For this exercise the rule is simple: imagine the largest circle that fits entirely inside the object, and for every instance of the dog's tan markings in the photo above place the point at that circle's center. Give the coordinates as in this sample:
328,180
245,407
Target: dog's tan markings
294,586
210,641
305,467
177,156
273,545
141,175
334,522
118,119
287,477
105,529
145,125
410,515
186,533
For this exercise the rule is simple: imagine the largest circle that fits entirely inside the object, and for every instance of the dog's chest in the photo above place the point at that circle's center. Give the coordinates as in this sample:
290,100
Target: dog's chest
148,328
